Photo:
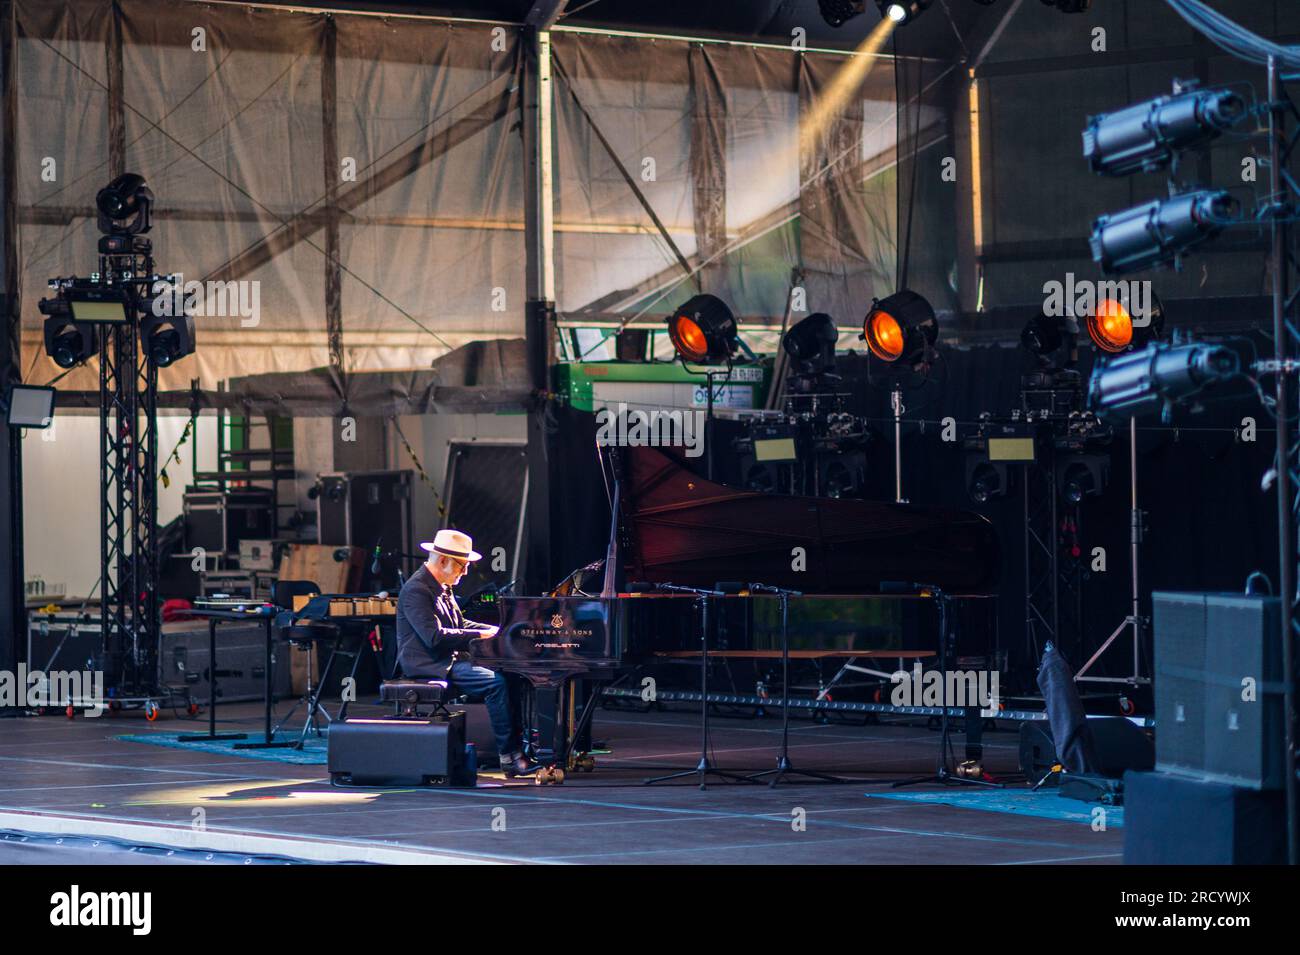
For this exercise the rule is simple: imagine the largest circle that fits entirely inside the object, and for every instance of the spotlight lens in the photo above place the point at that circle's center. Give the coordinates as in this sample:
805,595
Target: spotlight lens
1111,326
884,336
689,339
896,12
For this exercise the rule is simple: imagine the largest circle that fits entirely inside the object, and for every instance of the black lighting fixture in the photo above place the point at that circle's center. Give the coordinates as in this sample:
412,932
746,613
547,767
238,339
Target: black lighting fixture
124,206
902,11
167,339
1083,475
1161,232
810,345
704,332
1114,329
1158,377
29,406
901,329
1052,339
68,342
1150,135
838,12
986,480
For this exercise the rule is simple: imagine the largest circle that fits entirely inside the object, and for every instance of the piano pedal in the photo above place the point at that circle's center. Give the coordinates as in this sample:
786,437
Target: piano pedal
970,769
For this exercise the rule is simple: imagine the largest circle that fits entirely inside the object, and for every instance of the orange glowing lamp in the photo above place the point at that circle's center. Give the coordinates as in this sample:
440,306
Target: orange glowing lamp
1110,326
901,329
703,331
688,338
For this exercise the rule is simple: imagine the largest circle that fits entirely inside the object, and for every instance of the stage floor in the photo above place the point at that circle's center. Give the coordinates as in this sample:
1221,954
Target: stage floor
73,778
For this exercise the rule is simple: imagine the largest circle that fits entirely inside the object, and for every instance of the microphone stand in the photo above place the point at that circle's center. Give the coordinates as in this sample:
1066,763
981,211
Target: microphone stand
783,765
942,774
704,768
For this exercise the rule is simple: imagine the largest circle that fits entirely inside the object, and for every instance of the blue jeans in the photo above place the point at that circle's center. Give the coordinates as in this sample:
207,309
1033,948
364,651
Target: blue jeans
483,685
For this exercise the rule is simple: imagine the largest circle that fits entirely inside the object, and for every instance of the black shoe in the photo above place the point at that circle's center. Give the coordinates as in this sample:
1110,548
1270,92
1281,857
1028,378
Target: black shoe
517,766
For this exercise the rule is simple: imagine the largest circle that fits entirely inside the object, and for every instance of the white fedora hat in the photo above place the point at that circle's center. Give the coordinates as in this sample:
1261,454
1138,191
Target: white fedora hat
450,543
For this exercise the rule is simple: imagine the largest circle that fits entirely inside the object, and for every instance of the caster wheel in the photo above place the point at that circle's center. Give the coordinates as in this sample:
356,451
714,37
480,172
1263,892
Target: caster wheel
875,697
192,709
585,764
151,710
70,712
1127,706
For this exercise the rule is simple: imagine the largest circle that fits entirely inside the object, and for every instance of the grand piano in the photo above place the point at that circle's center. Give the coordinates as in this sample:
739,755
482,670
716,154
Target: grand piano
867,573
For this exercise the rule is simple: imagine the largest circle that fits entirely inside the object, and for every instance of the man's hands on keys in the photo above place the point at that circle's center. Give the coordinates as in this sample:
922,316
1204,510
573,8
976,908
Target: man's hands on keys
484,635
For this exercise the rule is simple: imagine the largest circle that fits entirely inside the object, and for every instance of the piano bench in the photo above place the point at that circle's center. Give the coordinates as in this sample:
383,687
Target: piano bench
407,695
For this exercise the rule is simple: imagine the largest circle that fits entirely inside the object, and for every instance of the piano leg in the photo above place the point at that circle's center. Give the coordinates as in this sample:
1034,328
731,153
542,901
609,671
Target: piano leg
549,730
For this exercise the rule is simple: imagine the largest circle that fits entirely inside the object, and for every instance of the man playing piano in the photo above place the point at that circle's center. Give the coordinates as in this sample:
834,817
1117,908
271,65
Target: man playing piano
434,640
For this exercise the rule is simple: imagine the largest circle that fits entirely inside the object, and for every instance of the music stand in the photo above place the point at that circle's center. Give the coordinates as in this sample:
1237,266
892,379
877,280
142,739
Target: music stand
942,774
704,768
783,765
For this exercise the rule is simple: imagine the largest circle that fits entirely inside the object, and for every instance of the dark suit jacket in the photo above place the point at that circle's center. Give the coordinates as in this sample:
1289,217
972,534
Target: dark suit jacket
431,630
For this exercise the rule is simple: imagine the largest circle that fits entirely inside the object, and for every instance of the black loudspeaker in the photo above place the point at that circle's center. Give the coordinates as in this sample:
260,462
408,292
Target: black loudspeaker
1037,753
1118,747
399,751
367,509
1172,819
1218,688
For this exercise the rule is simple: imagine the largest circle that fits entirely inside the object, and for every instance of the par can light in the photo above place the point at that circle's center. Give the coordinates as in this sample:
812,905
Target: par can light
901,328
703,331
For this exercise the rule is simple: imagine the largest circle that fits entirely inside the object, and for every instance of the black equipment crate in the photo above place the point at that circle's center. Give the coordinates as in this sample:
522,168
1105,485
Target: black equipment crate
241,657
218,520
399,751
67,641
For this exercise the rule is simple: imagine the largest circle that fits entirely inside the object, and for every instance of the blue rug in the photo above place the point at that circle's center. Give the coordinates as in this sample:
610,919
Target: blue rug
312,753
1045,804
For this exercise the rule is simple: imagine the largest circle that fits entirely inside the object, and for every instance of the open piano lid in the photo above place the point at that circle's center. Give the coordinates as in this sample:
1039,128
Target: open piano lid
675,527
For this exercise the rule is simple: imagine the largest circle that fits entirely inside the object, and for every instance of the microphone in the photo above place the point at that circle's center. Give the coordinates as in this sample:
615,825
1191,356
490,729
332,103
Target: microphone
375,567
770,589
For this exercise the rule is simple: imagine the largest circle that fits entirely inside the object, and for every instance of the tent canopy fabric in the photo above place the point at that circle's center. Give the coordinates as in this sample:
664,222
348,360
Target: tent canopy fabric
344,194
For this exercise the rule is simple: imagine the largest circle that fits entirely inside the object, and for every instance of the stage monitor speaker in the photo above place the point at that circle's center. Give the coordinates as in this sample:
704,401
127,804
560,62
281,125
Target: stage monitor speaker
1218,688
399,751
